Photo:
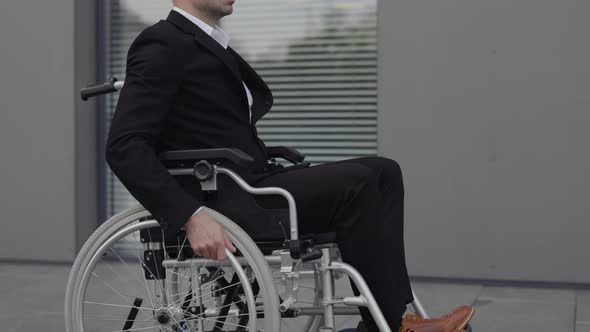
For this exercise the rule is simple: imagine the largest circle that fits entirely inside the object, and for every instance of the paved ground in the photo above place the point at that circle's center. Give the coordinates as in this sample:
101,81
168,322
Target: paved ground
31,299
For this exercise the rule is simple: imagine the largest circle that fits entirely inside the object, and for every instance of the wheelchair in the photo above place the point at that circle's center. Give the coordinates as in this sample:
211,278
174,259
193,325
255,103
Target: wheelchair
132,276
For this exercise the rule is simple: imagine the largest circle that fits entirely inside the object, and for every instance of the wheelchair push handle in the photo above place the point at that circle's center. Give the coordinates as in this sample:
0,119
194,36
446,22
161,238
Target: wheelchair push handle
101,89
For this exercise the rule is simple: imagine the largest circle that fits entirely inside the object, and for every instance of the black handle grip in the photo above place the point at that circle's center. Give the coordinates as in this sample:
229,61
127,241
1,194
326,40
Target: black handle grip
312,255
98,89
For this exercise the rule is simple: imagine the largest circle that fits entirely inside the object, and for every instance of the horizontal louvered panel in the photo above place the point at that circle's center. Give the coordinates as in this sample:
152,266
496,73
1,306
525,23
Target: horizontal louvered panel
338,112
324,50
321,86
269,138
266,123
313,64
333,144
331,101
327,34
327,159
334,103
323,79
335,152
348,56
356,5
332,23
324,93
323,129
269,74
288,12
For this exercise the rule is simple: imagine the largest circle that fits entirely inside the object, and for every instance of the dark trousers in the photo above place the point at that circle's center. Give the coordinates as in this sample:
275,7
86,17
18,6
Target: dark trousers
362,200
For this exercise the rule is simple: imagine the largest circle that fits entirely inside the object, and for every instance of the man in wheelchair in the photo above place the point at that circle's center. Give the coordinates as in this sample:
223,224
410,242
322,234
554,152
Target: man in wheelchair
186,89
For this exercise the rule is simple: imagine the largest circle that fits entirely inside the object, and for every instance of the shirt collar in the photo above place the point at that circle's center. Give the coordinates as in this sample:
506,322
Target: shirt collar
215,32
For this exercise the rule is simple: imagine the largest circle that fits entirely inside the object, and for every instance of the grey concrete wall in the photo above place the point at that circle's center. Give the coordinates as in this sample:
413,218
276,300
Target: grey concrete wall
38,135
486,104
85,38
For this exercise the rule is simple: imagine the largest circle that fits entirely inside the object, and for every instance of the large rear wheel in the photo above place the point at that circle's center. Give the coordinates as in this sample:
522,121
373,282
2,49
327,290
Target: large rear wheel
126,278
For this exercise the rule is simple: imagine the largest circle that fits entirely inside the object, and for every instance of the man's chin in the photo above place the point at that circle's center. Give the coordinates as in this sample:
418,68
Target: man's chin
228,10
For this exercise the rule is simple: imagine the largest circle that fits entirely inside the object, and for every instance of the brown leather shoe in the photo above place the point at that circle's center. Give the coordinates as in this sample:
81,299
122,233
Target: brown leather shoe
453,322
418,318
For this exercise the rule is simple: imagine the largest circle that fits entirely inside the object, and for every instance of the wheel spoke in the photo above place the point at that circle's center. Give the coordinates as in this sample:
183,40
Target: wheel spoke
119,305
116,291
119,276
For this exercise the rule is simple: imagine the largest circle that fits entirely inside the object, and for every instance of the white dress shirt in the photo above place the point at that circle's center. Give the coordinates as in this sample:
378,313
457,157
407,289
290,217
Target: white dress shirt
222,38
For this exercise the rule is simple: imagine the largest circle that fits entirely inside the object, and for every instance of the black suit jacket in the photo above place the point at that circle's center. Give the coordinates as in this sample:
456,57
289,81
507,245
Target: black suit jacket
182,91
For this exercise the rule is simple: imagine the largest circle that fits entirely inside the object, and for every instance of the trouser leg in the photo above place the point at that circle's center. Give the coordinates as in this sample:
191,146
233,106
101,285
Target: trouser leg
362,200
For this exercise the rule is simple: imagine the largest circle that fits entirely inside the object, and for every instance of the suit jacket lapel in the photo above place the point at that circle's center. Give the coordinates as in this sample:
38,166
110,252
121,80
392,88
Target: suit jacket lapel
213,46
239,68
262,102
205,40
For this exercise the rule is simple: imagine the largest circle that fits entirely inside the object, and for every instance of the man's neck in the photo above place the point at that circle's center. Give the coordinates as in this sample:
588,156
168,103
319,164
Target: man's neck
203,16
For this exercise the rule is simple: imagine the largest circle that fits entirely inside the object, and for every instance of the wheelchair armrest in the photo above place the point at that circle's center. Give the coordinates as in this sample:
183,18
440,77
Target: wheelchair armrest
235,156
287,153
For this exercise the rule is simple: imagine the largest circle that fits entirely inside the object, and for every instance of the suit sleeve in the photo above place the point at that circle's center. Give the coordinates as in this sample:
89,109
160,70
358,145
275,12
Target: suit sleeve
154,74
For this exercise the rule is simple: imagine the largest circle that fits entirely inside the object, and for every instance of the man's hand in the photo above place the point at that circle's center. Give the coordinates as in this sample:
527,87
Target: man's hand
207,237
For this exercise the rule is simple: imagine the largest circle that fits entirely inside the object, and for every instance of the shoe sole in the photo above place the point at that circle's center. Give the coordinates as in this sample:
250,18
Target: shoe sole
464,323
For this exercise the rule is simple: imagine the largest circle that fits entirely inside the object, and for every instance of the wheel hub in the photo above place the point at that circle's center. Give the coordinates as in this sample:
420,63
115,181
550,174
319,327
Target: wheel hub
169,316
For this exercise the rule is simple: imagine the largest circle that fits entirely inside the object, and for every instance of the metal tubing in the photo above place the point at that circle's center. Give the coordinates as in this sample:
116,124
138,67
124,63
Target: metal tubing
169,263
294,229
417,307
198,298
313,323
246,287
319,311
365,292
174,287
267,191
356,301
158,246
212,313
328,288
